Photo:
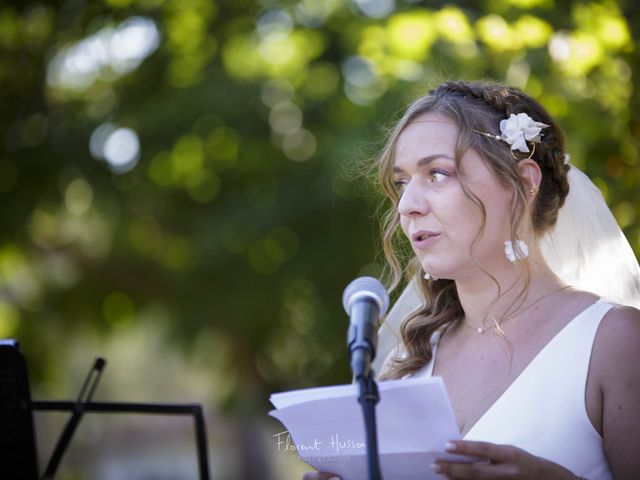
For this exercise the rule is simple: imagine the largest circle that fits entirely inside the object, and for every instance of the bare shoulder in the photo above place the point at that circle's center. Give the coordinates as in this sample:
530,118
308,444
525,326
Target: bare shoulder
616,361
615,351
620,327
623,312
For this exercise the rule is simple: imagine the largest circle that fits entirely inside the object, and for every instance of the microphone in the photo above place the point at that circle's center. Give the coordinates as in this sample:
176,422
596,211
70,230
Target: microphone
365,300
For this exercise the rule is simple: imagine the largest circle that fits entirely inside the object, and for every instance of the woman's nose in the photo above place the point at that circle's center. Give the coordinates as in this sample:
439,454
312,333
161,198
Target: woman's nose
412,201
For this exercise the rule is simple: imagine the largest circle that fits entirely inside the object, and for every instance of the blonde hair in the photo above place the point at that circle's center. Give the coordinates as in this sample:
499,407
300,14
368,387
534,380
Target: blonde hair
473,107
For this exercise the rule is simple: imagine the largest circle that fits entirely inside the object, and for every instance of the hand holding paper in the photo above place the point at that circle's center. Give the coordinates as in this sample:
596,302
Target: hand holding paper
414,417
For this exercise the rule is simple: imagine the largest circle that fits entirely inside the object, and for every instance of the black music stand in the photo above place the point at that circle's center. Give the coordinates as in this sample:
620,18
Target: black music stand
17,438
17,407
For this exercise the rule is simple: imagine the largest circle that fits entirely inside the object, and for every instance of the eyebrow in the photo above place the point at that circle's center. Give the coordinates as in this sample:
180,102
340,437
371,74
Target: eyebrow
425,161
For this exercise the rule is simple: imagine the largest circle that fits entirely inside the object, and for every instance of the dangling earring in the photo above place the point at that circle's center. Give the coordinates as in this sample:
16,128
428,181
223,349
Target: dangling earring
513,255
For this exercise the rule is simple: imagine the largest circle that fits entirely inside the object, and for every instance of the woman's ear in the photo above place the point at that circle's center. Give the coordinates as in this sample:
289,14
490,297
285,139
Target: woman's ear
531,176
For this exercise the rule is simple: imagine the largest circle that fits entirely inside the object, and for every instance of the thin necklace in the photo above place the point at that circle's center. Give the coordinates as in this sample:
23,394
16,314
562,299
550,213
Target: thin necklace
481,330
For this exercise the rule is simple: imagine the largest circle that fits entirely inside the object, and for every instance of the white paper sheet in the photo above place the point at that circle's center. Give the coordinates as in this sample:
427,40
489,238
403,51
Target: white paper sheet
325,427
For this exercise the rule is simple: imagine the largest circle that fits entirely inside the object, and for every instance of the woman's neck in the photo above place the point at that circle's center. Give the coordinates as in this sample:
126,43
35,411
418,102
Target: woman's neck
481,296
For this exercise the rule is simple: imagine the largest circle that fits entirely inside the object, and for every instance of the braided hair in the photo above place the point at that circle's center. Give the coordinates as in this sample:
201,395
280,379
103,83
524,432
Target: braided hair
473,107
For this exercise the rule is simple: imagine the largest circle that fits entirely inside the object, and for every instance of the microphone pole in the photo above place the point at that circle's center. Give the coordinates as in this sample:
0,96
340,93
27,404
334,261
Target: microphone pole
365,301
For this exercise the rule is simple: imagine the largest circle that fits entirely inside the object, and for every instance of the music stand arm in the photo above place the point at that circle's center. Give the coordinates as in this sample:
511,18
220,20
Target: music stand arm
192,409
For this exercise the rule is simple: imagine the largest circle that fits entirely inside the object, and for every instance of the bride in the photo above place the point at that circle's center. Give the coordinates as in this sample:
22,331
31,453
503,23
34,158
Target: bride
544,376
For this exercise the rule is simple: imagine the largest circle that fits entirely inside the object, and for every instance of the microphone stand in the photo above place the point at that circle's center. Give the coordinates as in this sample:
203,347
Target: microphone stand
365,300
368,398
361,352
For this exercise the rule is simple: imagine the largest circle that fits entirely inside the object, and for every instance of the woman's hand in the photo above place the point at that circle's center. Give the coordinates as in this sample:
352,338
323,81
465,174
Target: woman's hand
320,476
498,461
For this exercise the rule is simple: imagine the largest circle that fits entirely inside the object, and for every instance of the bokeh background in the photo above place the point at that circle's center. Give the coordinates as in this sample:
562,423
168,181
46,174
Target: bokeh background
183,191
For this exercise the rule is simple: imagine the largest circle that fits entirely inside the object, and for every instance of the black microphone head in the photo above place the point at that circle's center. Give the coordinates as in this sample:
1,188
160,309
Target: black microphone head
366,287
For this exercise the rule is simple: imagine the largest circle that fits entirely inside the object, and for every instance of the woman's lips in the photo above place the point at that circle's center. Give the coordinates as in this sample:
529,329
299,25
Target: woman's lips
424,238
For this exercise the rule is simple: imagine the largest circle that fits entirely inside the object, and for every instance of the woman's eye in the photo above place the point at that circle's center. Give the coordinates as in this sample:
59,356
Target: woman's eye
436,176
400,185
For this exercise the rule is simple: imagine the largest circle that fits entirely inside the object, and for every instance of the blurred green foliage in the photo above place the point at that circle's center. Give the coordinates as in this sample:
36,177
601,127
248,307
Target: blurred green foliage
235,219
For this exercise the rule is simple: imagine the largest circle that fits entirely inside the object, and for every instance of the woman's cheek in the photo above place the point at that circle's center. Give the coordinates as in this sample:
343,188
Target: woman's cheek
404,226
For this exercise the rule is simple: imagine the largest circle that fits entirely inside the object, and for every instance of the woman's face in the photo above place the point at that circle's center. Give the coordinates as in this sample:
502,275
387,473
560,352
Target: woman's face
440,221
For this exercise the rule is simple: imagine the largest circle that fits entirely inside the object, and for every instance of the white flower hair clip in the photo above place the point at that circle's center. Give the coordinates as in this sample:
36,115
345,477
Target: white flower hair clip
517,131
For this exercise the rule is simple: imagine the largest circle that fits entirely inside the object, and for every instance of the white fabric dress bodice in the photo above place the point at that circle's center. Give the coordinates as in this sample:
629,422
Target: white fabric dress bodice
543,411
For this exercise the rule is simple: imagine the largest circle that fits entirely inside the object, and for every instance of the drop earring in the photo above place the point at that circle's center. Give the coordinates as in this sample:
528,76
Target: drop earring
519,253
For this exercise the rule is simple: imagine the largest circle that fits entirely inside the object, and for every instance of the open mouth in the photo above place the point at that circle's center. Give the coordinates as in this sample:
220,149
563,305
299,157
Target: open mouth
423,235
